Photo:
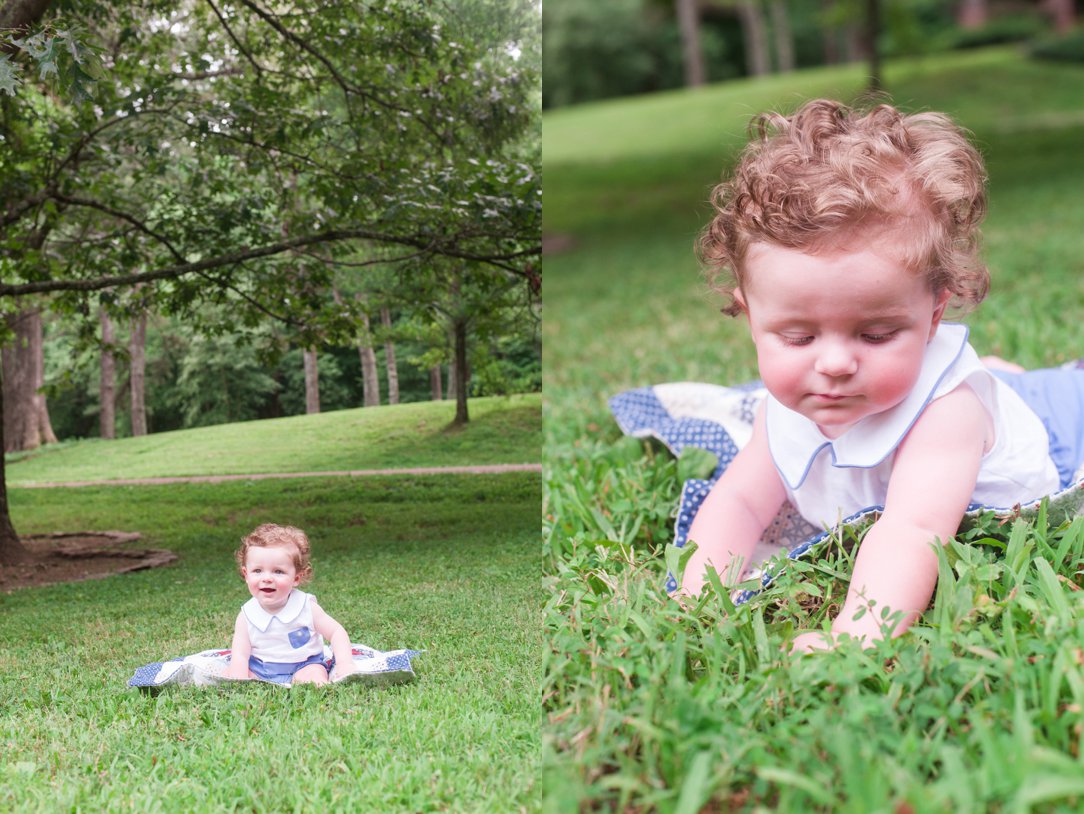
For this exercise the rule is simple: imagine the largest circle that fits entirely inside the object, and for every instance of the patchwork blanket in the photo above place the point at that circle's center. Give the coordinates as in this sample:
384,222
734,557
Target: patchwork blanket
208,668
720,420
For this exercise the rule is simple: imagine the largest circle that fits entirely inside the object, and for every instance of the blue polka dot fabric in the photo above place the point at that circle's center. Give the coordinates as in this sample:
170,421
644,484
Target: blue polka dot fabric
720,420
208,667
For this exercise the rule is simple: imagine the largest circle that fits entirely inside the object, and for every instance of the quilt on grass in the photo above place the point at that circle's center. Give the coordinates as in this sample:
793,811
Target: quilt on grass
208,668
720,420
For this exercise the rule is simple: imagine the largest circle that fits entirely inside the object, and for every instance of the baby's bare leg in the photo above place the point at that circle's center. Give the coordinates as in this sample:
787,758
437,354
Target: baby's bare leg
312,674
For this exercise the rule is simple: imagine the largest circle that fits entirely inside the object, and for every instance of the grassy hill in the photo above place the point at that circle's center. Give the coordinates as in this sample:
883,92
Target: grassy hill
501,430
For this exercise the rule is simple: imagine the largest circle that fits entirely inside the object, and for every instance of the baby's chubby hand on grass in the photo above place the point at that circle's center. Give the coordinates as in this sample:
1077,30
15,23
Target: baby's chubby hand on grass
812,641
338,674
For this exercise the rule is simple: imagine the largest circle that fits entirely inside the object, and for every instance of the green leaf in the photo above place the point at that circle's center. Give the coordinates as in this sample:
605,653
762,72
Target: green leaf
677,557
9,75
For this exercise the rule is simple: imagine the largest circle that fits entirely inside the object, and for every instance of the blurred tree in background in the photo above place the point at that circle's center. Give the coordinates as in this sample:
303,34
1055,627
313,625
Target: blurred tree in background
612,48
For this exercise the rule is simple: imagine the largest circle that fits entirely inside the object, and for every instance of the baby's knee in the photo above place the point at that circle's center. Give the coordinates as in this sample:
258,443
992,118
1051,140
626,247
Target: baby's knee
312,674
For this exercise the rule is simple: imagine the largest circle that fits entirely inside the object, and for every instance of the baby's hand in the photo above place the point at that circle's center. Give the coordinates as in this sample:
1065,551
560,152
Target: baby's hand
812,641
239,673
338,673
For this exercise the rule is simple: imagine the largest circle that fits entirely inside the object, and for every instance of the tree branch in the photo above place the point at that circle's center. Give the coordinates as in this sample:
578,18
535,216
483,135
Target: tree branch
109,210
229,31
252,253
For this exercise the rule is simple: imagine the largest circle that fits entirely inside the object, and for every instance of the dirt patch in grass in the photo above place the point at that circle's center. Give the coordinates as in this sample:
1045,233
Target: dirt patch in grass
77,556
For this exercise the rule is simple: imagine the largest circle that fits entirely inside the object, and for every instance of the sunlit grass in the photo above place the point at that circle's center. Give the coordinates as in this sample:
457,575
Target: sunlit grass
448,565
501,430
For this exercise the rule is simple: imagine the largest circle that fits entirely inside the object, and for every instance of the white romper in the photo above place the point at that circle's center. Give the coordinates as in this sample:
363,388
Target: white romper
285,637
828,480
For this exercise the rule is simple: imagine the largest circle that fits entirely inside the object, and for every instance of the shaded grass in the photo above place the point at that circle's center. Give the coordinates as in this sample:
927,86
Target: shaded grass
442,564
650,707
501,430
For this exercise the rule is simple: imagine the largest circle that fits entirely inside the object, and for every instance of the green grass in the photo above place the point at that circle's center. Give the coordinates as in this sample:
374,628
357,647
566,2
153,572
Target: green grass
650,707
448,565
501,430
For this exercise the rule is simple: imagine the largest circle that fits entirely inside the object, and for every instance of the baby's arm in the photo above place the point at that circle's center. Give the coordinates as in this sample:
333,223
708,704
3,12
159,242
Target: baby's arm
240,649
339,639
735,513
932,481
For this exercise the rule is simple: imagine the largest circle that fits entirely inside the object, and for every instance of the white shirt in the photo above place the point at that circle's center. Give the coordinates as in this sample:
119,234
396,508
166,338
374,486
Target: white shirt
830,479
285,637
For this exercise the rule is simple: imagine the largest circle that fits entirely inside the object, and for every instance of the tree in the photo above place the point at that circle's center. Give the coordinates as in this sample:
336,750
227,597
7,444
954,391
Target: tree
170,178
781,35
107,387
755,34
688,15
1064,14
26,419
312,381
389,356
370,379
972,13
137,343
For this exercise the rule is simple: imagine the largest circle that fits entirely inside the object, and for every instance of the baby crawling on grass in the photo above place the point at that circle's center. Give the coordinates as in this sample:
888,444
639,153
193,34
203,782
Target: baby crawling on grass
279,634
842,238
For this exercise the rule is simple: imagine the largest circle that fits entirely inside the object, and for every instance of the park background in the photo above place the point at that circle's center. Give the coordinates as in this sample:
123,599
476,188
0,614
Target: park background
651,707
220,223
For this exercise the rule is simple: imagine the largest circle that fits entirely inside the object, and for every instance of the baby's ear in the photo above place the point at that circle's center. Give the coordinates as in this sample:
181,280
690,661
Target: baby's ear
739,302
940,304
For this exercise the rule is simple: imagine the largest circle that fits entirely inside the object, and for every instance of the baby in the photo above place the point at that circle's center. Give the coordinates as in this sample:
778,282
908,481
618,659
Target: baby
842,238
279,634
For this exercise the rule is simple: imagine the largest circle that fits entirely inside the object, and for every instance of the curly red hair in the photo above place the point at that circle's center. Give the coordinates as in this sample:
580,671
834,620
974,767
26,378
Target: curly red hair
829,173
272,535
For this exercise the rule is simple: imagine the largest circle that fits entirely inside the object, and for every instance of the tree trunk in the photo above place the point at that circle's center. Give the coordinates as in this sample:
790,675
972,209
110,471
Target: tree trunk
754,35
829,33
389,357
434,383
1064,14
312,382
784,41
137,349
873,45
972,13
107,382
26,415
11,550
462,373
693,55
370,380
22,13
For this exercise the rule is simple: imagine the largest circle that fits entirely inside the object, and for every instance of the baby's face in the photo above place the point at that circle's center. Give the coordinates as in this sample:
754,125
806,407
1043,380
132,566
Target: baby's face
271,575
839,336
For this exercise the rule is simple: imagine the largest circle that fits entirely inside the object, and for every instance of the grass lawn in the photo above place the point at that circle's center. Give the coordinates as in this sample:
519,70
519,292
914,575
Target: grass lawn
501,430
448,565
650,707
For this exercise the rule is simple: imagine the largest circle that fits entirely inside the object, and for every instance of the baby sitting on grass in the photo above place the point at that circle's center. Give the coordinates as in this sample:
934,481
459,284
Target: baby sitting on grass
279,634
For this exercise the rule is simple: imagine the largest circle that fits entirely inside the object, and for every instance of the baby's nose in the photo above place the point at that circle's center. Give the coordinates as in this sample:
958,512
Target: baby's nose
836,359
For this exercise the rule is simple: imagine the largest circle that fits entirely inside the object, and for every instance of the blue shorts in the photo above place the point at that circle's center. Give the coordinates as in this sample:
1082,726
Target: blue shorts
281,672
1057,397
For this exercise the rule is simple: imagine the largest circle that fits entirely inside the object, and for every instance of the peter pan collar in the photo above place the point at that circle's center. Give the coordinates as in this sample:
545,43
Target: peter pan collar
795,441
290,611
